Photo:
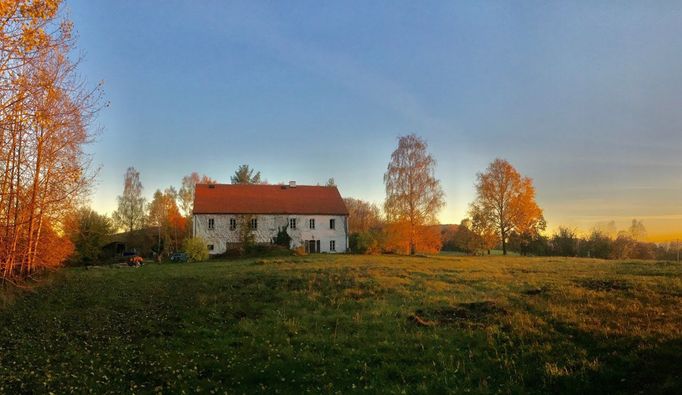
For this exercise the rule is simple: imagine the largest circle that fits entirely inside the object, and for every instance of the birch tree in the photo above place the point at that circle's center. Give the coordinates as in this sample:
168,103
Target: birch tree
45,113
413,194
130,214
186,192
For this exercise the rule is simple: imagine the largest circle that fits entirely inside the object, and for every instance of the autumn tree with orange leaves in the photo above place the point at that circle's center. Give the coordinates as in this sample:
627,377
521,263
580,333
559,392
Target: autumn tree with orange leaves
413,194
165,215
362,216
45,111
505,204
399,238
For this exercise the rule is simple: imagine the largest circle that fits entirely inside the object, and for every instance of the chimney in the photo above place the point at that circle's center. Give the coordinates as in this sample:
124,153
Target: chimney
292,184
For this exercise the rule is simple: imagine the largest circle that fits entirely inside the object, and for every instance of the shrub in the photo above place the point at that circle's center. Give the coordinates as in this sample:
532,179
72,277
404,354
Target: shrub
196,249
464,239
529,244
247,238
260,249
275,251
565,242
396,239
623,247
283,239
368,242
644,251
235,251
599,245
89,232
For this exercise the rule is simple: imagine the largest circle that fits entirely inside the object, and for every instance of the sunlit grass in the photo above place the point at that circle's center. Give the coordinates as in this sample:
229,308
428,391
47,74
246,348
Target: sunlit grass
341,323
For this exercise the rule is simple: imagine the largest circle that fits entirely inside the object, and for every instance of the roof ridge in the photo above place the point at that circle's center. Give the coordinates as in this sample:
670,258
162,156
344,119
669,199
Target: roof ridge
265,185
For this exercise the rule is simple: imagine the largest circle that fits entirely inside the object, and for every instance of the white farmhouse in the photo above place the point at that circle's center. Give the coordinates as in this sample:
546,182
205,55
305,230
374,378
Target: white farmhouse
315,217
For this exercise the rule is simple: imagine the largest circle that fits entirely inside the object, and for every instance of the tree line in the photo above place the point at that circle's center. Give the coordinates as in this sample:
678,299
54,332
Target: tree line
504,215
158,227
45,114
504,207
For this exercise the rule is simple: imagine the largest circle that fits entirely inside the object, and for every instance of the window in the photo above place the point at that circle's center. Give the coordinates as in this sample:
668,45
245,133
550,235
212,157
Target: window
211,223
332,224
332,245
210,247
312,223
254,223
292,223
233,224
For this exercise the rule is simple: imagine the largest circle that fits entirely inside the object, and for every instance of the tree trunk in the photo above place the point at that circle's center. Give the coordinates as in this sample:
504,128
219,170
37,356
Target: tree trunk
30,241
158,248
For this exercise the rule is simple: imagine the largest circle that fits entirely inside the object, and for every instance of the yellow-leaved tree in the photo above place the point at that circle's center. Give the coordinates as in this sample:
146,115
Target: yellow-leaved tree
505,204
413,195
45,111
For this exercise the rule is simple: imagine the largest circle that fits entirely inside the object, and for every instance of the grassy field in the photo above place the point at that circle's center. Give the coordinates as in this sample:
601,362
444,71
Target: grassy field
315,324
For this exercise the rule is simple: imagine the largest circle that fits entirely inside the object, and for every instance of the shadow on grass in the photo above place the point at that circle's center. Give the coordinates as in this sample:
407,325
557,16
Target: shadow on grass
614,364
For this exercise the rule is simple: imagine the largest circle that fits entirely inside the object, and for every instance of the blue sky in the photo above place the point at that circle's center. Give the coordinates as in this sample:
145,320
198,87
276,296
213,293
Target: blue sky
583,97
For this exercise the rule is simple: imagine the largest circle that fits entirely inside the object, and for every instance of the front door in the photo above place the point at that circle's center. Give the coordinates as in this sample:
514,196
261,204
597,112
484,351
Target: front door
312,246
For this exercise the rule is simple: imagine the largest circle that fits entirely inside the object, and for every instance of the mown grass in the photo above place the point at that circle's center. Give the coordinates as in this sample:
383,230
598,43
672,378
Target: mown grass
315,324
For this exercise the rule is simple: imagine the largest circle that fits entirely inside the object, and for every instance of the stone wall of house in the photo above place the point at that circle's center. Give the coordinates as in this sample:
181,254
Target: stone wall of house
221,235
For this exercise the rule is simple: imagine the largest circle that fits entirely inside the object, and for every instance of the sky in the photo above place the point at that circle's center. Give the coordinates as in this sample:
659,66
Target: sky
583,97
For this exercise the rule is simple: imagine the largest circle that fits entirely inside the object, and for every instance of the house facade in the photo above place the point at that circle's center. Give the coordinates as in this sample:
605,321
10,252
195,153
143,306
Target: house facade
315,217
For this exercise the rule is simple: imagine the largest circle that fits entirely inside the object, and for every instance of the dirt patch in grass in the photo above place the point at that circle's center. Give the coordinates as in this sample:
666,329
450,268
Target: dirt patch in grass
604,285
536,291
475,313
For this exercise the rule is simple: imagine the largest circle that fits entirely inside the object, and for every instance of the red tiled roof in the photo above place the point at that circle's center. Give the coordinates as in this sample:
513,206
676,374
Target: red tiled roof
267,199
